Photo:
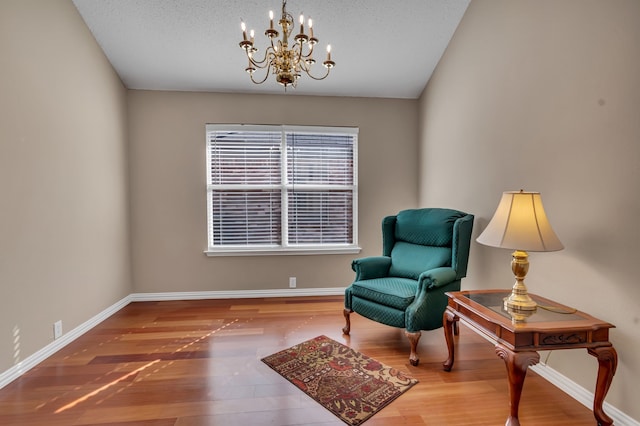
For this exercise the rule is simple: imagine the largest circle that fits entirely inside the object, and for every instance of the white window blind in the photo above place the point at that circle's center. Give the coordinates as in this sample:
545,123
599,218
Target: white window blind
281,188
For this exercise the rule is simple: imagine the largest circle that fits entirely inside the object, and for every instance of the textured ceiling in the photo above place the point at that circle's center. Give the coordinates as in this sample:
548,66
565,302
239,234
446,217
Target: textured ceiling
382,48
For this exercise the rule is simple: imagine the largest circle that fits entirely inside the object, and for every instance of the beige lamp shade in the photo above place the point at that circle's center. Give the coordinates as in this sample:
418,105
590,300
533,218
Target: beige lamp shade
520,223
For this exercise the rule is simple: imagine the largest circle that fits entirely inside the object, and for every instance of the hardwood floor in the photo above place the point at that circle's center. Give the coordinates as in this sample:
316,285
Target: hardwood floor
185,363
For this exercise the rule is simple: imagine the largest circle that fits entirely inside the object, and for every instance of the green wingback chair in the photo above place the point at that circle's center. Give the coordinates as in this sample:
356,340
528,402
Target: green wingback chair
424,254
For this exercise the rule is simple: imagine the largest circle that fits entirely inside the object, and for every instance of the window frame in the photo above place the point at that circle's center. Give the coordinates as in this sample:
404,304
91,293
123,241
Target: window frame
283,187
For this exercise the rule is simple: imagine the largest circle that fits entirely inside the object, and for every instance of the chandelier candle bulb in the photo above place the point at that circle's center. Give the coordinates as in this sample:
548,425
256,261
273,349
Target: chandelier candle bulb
252,34
301,24
271,19
250,69
244,30
310,27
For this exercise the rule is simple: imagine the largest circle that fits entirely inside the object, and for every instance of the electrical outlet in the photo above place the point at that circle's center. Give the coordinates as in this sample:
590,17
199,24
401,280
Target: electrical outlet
292,282
57,329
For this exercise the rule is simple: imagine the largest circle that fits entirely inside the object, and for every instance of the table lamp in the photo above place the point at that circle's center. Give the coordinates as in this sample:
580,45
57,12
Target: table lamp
521,224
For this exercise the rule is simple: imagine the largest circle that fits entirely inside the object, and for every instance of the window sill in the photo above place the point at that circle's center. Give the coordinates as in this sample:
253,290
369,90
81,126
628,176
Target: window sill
282,251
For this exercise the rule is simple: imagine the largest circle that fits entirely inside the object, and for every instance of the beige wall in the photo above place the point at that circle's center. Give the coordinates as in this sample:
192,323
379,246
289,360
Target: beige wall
541,95
63,216
545,96
168,188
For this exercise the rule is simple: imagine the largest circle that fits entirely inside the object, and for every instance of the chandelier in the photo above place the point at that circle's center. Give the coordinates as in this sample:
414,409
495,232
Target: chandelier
287,62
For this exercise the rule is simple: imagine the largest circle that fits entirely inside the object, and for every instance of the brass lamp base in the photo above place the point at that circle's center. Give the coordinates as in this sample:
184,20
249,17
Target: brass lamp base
519,305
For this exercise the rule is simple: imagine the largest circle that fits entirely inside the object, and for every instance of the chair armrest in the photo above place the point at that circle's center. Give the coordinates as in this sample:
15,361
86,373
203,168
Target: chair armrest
436,278
425,313
367,268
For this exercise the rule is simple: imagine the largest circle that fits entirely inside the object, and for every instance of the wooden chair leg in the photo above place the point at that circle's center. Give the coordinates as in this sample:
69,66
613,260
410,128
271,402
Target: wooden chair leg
456,330
413,340
347,316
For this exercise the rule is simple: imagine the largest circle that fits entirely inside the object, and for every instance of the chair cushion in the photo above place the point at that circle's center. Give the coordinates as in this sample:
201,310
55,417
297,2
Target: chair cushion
427,227
395,292
380,313
410,260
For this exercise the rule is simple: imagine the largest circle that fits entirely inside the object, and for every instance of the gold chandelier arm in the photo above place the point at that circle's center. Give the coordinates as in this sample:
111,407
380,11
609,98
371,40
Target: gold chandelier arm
266,75
268,57
308,72
306,67
309,54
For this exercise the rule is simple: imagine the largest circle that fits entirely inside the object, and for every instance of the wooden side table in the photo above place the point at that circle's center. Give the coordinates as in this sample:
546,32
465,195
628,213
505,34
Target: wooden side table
553,326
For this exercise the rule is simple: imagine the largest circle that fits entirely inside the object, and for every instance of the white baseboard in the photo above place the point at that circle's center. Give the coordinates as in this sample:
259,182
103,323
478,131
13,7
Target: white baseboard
31,361
236,294
571,388
582,395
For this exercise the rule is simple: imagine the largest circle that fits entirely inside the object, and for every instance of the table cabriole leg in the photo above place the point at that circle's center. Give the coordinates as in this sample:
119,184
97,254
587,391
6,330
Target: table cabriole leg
517,364
449,323
607,364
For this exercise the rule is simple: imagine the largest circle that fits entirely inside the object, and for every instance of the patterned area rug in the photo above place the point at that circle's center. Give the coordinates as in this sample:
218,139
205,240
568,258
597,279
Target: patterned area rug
351,385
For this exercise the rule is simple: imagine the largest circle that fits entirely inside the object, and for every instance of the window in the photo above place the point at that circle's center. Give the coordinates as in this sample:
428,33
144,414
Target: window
281,189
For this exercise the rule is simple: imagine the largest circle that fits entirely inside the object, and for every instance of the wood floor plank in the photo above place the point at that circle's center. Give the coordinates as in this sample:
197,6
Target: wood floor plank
188,363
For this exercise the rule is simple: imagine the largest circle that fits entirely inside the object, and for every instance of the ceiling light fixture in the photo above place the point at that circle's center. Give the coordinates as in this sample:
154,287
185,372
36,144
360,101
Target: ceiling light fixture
287,62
